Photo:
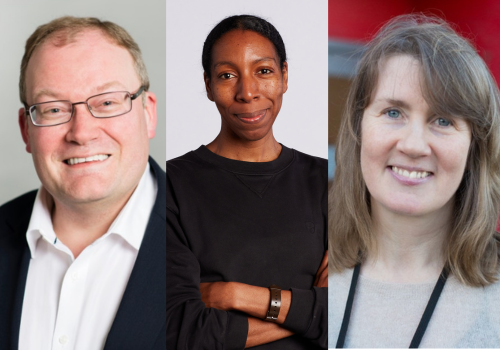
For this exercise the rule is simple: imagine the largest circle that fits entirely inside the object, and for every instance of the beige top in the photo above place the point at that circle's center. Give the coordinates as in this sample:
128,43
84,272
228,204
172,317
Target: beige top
386,315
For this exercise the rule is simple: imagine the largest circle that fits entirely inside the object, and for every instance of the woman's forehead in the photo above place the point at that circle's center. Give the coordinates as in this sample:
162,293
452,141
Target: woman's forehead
239,42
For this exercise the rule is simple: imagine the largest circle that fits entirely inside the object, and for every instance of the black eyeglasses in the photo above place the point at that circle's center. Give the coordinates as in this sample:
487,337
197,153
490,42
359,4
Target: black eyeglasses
106,105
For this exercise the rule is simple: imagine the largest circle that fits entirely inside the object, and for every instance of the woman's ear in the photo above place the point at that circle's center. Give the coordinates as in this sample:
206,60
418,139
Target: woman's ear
284,71
207,87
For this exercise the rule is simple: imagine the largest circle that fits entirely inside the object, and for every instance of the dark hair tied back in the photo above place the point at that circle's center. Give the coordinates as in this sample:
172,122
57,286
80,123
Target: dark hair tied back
242,22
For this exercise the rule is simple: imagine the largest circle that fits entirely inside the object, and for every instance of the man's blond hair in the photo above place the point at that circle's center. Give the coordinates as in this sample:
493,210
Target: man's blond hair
63,30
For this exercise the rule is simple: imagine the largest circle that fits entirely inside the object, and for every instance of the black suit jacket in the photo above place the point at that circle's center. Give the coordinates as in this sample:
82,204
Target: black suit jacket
140,321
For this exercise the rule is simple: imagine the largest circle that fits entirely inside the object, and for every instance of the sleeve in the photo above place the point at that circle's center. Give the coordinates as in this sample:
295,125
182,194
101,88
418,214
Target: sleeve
308,315
190,325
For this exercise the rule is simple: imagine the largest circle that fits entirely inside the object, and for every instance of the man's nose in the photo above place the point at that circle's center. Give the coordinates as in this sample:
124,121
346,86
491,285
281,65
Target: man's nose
83,125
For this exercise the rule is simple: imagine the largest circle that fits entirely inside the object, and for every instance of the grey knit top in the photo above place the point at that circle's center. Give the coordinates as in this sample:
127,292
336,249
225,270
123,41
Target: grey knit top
386,315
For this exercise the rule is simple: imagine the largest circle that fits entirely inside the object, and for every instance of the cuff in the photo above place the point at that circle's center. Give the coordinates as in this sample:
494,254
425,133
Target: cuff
236,331
301,311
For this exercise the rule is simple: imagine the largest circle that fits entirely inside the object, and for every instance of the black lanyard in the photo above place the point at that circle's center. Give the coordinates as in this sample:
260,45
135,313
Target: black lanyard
424,321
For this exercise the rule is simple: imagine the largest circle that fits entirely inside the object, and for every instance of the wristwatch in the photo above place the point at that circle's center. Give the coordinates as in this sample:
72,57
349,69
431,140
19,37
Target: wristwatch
275,303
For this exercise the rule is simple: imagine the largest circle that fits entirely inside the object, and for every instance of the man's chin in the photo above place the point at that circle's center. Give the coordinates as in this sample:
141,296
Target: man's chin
82,193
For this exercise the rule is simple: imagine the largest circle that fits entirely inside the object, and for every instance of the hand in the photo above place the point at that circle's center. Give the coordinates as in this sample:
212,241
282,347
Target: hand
322,274
217,295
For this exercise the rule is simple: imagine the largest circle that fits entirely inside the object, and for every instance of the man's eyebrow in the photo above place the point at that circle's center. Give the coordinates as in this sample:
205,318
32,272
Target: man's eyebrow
115,84
229,63
44,92
101,88
392,102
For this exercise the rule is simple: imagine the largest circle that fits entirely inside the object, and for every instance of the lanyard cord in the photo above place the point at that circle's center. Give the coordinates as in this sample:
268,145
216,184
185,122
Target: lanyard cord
424,321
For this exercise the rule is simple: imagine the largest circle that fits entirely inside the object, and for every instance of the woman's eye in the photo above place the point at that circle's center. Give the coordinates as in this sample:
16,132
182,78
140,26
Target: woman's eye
226,75
393,113
443,122
265,71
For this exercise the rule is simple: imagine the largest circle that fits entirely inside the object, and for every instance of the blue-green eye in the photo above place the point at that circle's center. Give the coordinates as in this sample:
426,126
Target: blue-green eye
393,113
443,122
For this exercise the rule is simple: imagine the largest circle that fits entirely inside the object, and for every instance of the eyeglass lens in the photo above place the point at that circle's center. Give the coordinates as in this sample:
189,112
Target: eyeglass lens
106,105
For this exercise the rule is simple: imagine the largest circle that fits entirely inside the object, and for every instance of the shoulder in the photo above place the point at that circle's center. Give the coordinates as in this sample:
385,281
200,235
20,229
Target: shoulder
338,290
161,181
15,216
303,158
16,206
310,163
158,171
193,167
186,163
313,169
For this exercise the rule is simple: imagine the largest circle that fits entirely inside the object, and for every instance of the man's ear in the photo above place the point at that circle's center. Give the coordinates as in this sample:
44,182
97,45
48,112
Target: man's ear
284,71
150,113
207,87
24,127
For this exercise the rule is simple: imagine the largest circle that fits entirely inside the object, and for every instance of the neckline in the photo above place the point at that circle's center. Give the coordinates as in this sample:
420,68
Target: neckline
424,321
380,283
248,168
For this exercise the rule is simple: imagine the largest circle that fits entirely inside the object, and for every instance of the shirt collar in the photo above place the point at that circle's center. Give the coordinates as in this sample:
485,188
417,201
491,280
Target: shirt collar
130,223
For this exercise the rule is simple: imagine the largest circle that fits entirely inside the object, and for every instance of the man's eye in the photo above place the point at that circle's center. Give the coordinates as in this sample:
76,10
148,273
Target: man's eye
51,111
265,71
107,103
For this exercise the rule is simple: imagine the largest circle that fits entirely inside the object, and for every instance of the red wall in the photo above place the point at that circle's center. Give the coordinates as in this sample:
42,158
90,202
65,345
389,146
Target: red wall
358,20
478,20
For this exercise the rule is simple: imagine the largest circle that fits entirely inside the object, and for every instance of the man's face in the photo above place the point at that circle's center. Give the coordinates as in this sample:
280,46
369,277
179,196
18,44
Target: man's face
90,65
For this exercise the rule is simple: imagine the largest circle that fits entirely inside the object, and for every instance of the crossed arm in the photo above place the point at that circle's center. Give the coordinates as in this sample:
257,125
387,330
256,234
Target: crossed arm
193,325
254,301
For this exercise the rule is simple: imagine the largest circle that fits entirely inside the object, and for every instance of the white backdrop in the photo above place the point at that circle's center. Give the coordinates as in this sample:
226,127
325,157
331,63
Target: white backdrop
193,120
144,20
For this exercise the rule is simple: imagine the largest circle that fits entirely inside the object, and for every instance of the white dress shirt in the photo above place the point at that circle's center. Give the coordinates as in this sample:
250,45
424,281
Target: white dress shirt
70,304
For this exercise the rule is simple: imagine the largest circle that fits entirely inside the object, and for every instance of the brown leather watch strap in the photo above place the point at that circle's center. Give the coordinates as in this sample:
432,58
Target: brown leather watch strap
275,303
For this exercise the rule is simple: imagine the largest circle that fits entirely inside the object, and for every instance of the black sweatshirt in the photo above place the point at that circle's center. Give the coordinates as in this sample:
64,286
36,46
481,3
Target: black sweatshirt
254,223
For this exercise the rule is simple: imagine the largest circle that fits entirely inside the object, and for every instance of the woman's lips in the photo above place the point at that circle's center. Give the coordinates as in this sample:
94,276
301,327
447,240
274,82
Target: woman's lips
252,118
410,177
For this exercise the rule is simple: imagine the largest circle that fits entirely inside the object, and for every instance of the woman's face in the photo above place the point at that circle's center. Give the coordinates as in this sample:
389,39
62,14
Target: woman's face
412,160
246,84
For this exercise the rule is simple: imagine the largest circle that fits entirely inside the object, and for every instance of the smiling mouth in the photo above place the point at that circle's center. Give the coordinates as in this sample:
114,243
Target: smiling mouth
252,118
411,174
95,158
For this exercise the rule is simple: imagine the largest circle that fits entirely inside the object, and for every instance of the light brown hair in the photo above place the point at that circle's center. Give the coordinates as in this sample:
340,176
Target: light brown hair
457,82
63,31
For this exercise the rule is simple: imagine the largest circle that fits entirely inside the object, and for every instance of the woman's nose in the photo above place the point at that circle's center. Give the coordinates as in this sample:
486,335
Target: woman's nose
247,88
413,140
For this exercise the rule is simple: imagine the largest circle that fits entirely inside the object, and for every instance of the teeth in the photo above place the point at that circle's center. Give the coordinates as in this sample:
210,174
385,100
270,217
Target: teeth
410,175
97,157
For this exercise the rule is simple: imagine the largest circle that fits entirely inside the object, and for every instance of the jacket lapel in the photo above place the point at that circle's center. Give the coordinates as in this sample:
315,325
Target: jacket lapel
14,262
19,297
140,321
